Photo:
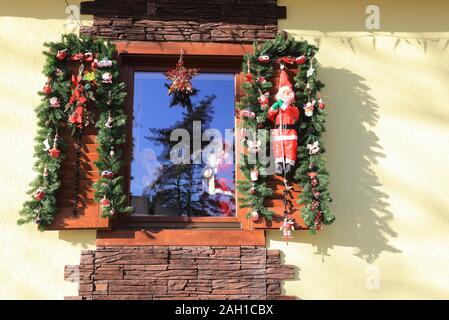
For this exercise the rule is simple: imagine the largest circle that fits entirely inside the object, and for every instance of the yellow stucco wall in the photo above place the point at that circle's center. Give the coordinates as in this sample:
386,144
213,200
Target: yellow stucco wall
31,262
387,148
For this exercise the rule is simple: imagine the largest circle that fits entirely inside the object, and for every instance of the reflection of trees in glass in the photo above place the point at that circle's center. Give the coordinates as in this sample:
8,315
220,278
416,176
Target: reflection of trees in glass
178,188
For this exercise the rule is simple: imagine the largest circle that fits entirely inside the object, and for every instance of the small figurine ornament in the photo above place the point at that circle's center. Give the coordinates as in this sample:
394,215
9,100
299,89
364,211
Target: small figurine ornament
308,109
45,173
264,58
40,194
286,227
62,54
106,77
284,138
313,147
54,102
254,174
255,216
108,174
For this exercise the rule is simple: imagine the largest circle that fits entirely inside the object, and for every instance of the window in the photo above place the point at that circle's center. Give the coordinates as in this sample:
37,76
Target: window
203,184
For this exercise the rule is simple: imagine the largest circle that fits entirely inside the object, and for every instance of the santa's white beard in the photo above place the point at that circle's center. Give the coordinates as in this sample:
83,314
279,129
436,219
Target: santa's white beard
286,98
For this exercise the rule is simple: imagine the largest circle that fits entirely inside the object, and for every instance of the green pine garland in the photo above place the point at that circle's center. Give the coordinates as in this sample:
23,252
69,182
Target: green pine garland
108,98
314,200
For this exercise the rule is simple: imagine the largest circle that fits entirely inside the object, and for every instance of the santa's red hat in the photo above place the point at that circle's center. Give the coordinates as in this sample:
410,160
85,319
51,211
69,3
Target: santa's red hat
284,81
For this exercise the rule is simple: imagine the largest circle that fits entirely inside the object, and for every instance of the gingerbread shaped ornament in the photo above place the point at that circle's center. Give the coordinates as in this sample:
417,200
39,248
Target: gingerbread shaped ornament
285,115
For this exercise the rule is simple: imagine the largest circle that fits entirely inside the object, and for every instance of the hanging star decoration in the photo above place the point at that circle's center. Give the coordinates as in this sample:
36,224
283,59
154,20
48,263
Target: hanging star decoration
181,88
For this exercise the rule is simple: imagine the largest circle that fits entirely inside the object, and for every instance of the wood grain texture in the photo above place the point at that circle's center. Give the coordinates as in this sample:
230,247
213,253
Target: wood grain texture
170,237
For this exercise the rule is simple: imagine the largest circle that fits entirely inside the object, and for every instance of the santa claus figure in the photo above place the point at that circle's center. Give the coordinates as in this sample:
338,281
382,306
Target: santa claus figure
285,115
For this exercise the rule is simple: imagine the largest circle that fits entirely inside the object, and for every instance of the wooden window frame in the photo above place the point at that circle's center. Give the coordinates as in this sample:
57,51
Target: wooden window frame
149,56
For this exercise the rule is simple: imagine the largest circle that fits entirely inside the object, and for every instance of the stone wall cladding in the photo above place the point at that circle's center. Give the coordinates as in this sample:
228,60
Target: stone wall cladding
192,273
177,20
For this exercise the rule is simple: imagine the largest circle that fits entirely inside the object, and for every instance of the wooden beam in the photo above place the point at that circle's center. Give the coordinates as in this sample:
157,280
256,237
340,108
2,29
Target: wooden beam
191,48
173,237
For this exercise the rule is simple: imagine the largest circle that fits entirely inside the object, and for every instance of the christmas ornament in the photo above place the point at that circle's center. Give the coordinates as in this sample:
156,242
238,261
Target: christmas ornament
252,190
40,194
54,102
112,152
104,63
89,57
261,80
255,216
106,77
181,77
46,145
89,76
107,174
263,59
108,123
313,147
248,75
247,114
312,174
321,104
47,88
54,152
300,60
254,174
77,117
45,173
310,72
308,109
38,221
105,203
62,54
94,64
263,100
286,227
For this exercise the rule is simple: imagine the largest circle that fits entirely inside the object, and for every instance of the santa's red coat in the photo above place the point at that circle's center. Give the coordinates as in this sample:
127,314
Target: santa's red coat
286,139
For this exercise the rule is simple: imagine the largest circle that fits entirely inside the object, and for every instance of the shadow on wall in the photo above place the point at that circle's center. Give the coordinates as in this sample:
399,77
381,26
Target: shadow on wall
362,209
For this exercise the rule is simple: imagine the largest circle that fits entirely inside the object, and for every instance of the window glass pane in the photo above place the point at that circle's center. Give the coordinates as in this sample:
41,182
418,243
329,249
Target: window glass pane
204,183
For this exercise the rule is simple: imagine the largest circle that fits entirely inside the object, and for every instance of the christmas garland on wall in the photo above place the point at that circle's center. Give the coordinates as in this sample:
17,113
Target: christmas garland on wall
68,99
310,172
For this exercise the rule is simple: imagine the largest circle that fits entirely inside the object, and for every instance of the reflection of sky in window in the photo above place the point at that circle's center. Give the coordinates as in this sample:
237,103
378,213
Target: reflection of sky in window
151,110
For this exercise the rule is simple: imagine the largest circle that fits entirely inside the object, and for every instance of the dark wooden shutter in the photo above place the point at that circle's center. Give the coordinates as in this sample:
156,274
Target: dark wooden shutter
89,213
